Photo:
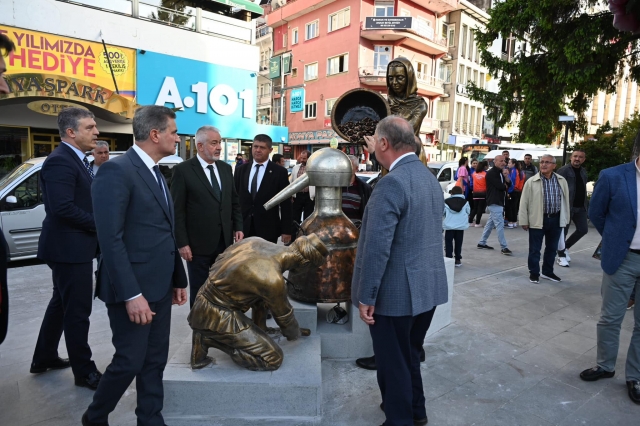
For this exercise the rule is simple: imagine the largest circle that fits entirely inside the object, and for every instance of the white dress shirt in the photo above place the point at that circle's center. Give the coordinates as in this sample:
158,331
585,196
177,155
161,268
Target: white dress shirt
204,165
400,158
260,174
635,242
79,153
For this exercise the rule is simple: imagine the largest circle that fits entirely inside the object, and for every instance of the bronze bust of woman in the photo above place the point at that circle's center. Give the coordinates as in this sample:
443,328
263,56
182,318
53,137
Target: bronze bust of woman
403,93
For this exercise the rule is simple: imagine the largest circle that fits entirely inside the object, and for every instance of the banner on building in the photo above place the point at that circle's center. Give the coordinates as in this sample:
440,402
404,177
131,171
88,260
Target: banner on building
297,100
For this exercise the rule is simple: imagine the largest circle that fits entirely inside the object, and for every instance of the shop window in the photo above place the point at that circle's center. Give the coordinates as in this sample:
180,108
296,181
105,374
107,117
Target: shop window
310,110
338,64
339,19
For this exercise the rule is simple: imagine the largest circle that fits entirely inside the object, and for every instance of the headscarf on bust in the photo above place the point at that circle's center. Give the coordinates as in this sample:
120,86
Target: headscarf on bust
408,104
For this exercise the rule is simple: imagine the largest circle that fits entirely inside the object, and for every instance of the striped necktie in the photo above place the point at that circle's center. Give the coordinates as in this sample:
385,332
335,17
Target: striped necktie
88,167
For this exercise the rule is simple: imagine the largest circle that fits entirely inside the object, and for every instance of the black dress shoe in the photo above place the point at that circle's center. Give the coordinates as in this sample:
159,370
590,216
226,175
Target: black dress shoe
633,386
595,373
370,362
91,381
86,422
56,364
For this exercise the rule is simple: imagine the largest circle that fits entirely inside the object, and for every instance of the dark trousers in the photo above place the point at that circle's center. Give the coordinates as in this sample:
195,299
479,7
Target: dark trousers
513,205
69,310
302,206
450,236
198,270
397,342
551,233
579,217
479,206
254,233
141,354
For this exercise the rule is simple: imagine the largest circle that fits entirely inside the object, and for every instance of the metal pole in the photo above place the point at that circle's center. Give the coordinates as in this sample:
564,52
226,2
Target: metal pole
281,89
566,140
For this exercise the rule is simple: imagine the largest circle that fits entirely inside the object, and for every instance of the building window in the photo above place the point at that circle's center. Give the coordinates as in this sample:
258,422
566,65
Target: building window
442,112
461,74
423,27
482,80
294,36
422,71
468,76
339,19
463,51
311,71
284,40
445,72
310,110
475,77
311,30
383,8
471,44
458,126
294,72
381,58
338,64
328,104
451,37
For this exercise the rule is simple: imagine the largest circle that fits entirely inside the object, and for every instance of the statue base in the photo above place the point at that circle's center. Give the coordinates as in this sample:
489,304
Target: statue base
291,395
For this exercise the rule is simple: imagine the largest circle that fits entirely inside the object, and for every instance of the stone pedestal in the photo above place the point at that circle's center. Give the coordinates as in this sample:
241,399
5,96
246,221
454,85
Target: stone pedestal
291,395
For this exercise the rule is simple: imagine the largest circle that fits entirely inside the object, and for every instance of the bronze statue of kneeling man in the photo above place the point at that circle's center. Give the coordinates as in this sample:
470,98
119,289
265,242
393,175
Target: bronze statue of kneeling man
249,275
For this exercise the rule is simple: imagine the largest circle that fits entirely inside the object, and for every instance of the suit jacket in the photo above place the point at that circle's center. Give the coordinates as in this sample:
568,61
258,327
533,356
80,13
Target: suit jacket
613,211
136,233
294,176
201,215
399,265
566,172
68,230
268,224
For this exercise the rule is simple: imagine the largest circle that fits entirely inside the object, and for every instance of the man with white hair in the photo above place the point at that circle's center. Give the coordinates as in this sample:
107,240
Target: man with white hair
100,155
544,212
207,209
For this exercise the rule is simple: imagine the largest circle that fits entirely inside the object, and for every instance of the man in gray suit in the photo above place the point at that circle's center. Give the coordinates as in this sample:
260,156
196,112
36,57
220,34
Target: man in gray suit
399,275
140,274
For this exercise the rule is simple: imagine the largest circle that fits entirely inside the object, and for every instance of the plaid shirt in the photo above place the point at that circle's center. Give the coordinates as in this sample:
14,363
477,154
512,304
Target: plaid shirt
552,194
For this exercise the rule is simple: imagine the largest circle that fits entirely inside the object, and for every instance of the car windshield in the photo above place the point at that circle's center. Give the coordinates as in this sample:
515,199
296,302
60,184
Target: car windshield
18,171
434,170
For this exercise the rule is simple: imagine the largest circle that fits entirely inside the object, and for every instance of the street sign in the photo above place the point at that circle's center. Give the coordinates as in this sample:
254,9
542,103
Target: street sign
566,118
297,100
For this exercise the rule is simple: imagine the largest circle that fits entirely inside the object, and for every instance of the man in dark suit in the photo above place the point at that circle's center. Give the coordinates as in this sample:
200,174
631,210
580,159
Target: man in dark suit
140,273
68,244
399,276
208,216
257,182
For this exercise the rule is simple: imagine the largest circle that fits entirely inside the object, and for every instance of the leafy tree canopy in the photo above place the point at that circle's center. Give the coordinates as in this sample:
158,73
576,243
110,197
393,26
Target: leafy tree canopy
574,51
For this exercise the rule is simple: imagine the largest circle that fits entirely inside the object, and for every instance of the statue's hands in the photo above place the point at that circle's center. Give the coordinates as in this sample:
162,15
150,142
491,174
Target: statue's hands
371,144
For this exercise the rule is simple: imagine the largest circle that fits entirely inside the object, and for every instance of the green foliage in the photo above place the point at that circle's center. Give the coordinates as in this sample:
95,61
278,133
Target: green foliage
610,147
572,55
178,19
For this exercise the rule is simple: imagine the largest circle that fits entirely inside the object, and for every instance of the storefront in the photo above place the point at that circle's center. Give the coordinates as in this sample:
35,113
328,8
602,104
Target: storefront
47,73
203,93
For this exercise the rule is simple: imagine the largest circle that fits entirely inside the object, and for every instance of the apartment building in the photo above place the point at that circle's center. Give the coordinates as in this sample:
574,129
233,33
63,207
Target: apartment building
340,45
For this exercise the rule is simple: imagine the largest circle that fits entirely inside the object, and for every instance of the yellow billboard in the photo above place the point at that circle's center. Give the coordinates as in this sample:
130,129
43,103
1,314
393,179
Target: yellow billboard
48,65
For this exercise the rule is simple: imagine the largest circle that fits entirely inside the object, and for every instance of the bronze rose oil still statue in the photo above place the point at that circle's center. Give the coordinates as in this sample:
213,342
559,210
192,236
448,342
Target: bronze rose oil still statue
249,275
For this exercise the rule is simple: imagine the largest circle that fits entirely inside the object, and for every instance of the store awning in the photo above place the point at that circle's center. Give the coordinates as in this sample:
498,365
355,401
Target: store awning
255,9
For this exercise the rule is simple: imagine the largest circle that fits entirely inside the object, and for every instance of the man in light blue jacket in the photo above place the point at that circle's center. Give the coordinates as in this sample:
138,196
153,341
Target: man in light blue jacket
456,215
399,276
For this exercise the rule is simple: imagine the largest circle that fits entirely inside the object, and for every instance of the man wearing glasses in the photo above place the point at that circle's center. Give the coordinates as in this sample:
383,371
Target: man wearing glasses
544,211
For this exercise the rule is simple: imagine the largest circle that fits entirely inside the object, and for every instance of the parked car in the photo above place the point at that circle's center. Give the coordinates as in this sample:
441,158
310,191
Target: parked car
22,208
444,172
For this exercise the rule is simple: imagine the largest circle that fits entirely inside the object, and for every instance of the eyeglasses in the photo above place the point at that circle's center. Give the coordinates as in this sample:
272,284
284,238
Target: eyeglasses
547,162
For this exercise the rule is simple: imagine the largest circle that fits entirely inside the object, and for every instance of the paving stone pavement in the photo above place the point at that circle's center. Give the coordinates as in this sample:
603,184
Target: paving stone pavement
511,356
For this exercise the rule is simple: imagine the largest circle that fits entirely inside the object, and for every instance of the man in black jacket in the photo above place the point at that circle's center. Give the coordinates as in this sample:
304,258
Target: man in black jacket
497,183
576,177
355,196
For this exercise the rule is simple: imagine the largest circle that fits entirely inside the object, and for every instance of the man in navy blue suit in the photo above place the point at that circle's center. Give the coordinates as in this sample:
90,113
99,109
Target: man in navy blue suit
615,212
140,273
68,243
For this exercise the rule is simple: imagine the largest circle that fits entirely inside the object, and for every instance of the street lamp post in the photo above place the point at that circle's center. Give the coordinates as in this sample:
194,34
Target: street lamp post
565,119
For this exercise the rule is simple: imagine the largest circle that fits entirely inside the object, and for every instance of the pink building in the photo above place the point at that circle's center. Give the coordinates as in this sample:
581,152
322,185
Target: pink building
344,44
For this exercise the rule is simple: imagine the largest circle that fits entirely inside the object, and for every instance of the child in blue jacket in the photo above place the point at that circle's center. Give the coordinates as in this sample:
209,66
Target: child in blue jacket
456,220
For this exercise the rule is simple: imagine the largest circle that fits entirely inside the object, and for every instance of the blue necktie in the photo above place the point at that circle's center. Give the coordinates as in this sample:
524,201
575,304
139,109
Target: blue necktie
159,178
88,167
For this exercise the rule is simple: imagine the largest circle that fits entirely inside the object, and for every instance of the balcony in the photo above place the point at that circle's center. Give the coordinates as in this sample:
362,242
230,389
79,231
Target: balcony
190,18
373,76
264,67
403,31
263,31
264,101
441,7
465,127
429,85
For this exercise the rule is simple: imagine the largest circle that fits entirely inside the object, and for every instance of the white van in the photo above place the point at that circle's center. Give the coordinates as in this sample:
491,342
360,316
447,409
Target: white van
444,172
22,208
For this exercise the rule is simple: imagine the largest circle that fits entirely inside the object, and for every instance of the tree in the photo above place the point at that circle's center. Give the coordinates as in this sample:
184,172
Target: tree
165,13
610,147
573,53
